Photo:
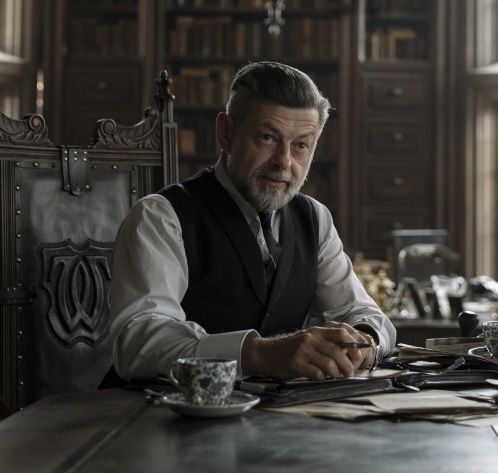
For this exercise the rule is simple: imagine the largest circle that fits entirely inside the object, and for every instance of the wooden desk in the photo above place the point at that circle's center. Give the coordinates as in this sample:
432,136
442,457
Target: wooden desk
116,431
416,331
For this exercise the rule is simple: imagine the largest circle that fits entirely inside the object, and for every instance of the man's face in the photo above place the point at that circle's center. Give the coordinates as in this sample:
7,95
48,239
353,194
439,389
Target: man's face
269,157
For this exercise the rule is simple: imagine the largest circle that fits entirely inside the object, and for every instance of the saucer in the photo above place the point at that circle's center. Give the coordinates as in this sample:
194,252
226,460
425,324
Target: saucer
236,404
480,351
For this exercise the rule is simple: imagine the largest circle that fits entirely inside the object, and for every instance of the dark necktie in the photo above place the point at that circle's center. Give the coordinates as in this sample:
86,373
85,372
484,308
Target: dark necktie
273,246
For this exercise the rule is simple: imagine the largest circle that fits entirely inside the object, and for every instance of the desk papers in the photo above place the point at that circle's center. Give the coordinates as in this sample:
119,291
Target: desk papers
409,352
461,407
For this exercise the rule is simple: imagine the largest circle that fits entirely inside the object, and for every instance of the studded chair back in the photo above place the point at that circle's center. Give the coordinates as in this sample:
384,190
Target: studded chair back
60,209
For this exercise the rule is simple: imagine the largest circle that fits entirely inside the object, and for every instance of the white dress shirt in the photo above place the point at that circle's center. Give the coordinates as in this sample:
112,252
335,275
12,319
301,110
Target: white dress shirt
150,277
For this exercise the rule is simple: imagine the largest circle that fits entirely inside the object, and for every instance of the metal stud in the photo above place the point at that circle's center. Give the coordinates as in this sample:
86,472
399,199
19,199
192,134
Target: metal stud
18,235
133,191
36,165
18,212
18,188
19,260
18,164
114,166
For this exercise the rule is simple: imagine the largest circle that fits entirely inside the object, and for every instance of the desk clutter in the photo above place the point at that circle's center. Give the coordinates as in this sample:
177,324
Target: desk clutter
430,296
426,384
445,384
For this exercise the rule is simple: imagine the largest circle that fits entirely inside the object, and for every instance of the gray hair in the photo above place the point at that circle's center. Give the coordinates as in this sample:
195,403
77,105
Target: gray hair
277,83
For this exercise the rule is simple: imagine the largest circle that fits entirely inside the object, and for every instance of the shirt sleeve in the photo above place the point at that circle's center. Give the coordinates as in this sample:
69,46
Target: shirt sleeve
339,294
148,327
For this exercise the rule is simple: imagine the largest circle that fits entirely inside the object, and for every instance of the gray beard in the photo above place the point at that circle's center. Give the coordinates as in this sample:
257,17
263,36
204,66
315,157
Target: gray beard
264,199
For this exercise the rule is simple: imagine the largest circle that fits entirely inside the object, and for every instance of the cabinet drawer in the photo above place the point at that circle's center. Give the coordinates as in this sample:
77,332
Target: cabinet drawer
396,185
109,87
377,226
400,140
396,94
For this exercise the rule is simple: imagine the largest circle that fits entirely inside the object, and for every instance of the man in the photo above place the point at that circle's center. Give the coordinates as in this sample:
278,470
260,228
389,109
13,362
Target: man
234,262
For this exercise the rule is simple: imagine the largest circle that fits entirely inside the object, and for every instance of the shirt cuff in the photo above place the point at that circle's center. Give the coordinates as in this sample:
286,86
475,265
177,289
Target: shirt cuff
224,345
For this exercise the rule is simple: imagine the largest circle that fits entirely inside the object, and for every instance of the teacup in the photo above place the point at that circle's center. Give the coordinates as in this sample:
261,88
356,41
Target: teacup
490,332
204,381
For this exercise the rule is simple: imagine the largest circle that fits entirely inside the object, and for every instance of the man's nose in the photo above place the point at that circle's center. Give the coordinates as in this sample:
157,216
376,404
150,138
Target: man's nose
282,156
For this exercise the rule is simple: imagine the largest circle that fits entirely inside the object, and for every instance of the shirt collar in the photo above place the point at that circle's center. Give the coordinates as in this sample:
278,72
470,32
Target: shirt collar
224,179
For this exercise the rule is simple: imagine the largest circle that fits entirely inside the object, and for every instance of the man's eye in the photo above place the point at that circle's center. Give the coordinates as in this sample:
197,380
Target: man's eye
266,138
302,146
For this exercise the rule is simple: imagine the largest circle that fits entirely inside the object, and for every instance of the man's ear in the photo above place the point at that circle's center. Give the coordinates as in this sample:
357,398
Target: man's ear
224,131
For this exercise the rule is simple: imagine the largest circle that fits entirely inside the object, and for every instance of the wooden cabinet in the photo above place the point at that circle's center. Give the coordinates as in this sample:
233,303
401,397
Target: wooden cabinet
394,164
96,65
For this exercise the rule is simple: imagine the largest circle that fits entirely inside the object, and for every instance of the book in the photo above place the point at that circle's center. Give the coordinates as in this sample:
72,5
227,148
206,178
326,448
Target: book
298,391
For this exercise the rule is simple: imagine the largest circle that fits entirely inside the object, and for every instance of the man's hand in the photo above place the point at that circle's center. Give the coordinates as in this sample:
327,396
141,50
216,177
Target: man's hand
312,353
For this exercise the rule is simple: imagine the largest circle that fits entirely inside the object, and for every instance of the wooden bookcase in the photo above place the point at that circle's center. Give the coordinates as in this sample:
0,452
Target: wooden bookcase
203,43
395,165
96,65
380,163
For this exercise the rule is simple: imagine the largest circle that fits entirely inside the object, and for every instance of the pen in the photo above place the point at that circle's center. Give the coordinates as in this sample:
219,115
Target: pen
353,344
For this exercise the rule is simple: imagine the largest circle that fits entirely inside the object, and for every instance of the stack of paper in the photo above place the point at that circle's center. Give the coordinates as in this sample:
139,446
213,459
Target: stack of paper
470,407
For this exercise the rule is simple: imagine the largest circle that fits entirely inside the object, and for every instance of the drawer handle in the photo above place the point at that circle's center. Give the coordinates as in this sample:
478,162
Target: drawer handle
397,181
398,136
397,92
102,85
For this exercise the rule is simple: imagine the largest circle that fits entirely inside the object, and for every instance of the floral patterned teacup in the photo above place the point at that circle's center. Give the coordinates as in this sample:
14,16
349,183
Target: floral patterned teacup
204,381
490,332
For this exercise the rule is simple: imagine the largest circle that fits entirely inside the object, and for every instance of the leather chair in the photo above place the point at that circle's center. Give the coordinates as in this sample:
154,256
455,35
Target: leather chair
60,209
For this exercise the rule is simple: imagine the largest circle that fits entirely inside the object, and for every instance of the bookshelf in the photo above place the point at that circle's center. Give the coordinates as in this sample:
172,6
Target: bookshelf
96,65
204,42
398,30
395,162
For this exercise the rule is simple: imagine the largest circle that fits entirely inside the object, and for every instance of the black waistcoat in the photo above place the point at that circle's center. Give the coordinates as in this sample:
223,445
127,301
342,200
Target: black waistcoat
227,286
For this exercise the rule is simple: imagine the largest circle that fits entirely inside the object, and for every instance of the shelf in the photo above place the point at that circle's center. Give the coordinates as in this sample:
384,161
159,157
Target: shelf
102,59
259,13
208,109
398,17
103,11
329,64
397,64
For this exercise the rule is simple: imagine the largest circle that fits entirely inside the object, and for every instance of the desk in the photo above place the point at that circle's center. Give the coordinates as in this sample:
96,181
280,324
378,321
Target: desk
416,331
116,431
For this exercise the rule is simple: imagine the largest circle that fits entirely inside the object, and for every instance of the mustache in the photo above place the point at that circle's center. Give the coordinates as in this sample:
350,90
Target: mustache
276,176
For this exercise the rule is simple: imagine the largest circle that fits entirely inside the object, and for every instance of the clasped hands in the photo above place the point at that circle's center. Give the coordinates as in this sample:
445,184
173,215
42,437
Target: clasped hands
313,353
